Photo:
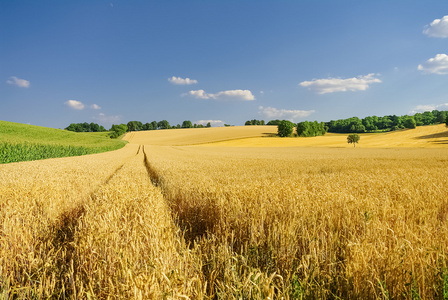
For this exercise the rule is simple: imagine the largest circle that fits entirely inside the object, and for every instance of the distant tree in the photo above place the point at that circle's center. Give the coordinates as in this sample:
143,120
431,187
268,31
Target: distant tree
428,118
164,124
409,122
254,122
187,124
117,130
73,127
285,128
208,125
353,139
227,125
94,127
178,126
147,126
85,127
418,119
154,125
274,122
441,117
135,126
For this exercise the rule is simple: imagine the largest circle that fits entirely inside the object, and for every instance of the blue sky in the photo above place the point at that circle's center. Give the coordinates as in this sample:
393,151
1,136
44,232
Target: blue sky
221,61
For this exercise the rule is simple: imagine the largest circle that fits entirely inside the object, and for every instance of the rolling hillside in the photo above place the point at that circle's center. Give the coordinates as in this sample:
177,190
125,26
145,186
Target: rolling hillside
20,142
435,136
194,136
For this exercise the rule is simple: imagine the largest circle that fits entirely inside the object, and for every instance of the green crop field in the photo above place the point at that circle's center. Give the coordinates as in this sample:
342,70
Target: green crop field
21,142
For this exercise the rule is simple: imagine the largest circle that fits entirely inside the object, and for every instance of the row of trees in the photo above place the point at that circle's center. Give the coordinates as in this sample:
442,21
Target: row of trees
286,128
85,127
387,123
117,130
311,128
254,122
164,124
261,122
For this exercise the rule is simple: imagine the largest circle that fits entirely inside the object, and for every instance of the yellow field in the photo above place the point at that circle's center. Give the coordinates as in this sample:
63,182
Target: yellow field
435,136
194,136
233,220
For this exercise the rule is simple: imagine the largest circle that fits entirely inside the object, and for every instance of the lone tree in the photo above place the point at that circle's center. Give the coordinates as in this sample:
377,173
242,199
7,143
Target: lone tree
285,128
353,139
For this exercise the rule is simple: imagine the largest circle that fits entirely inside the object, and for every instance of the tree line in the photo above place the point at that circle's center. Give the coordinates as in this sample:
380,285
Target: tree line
367,124
305,129
164,124
261,122
386,123
117,130
85,127
286,128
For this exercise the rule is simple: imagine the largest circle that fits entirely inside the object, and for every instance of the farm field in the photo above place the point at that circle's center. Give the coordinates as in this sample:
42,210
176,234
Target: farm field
195,136
434,136
162,219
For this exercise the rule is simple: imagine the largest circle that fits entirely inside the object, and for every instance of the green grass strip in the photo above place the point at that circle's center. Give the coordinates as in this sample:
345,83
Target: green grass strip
10,152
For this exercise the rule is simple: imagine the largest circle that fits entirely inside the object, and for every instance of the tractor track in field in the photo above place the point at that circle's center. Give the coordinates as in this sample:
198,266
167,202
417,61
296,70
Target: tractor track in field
152,174
62,237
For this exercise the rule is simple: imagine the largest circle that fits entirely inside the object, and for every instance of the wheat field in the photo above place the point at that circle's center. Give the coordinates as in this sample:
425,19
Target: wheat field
231,218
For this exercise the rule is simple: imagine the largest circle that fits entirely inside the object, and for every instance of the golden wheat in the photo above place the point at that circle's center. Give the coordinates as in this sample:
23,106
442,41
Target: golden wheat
351,223
434,136
37,200
194,136
193,222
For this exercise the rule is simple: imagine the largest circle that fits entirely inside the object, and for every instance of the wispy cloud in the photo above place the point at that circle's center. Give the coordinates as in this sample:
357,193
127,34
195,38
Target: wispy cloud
182,81
95,106
107,120
288,114
435,65
212,122
429,107
13,80
331,85
437,28
242,95
75,104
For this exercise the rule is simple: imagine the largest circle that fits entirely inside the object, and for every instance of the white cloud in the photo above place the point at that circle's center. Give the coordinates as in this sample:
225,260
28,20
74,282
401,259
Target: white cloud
331,85
429,107
107,120
288,114
199,94
182,81
437,28
212,122
95,106
244,95
74,104
18,82
435,65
